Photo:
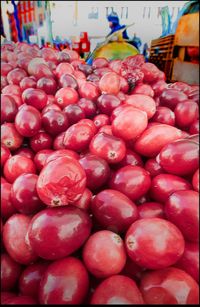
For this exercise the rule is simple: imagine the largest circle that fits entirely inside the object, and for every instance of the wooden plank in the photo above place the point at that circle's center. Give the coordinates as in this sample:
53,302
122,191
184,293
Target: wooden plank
181,53
163,38
185,72
162,43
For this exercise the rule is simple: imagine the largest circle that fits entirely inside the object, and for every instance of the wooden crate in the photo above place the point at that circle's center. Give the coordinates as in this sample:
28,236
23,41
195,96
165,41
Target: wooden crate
185,72
161,54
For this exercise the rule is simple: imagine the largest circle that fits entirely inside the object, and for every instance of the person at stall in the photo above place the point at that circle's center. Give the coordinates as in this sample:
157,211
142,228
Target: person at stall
145,52
114,25
136,42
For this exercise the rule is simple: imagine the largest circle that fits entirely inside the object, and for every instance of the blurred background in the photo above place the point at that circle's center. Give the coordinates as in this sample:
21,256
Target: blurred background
43,21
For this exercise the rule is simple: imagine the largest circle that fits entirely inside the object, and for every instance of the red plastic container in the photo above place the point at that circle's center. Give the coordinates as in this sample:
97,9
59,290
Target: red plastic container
85,46
84,37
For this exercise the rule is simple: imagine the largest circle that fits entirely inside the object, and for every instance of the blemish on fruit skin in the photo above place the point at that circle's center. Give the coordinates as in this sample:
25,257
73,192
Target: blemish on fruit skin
131,243
56,202
117,239
112,154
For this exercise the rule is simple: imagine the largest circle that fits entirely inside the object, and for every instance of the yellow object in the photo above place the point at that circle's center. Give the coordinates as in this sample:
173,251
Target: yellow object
116,50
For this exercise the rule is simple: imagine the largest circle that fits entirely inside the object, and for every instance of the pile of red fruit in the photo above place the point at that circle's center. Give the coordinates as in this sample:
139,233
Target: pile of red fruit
99,181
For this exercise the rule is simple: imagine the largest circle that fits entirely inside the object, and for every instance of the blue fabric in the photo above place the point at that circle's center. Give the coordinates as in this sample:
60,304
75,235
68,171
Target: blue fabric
119,27
113,18
17,21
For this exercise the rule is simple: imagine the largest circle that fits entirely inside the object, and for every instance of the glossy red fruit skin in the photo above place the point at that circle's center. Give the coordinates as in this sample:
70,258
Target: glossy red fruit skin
163,185
10,272
29,282
117,289
51,106
21,300
110,83
108,147
40,141
89,91
84,202
64,271
97,171
24,195
156,287
27,82
101,120
123,125
10,137
186,113
100,62
48,85
89,122
193,137
62,153
14,232
6,295
58,141
49,223
180,157
7,208
106,129
61,182
41,157
66,96
8,109
97,256
154,138
189,262
25,152
4,82
74,113
5,154
17,165
12,89
164,115
78,137
5,68
153,167
182,209
28,121
67,80
16,75
142,102
195,180
114,210
133,181
85,68
143,89
150,210
107,103
171,97
88,106
35,97
54,122
149,248
131,158
194,128
64,68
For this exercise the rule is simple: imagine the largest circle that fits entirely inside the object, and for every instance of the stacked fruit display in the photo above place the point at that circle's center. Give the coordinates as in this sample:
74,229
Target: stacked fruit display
99,181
